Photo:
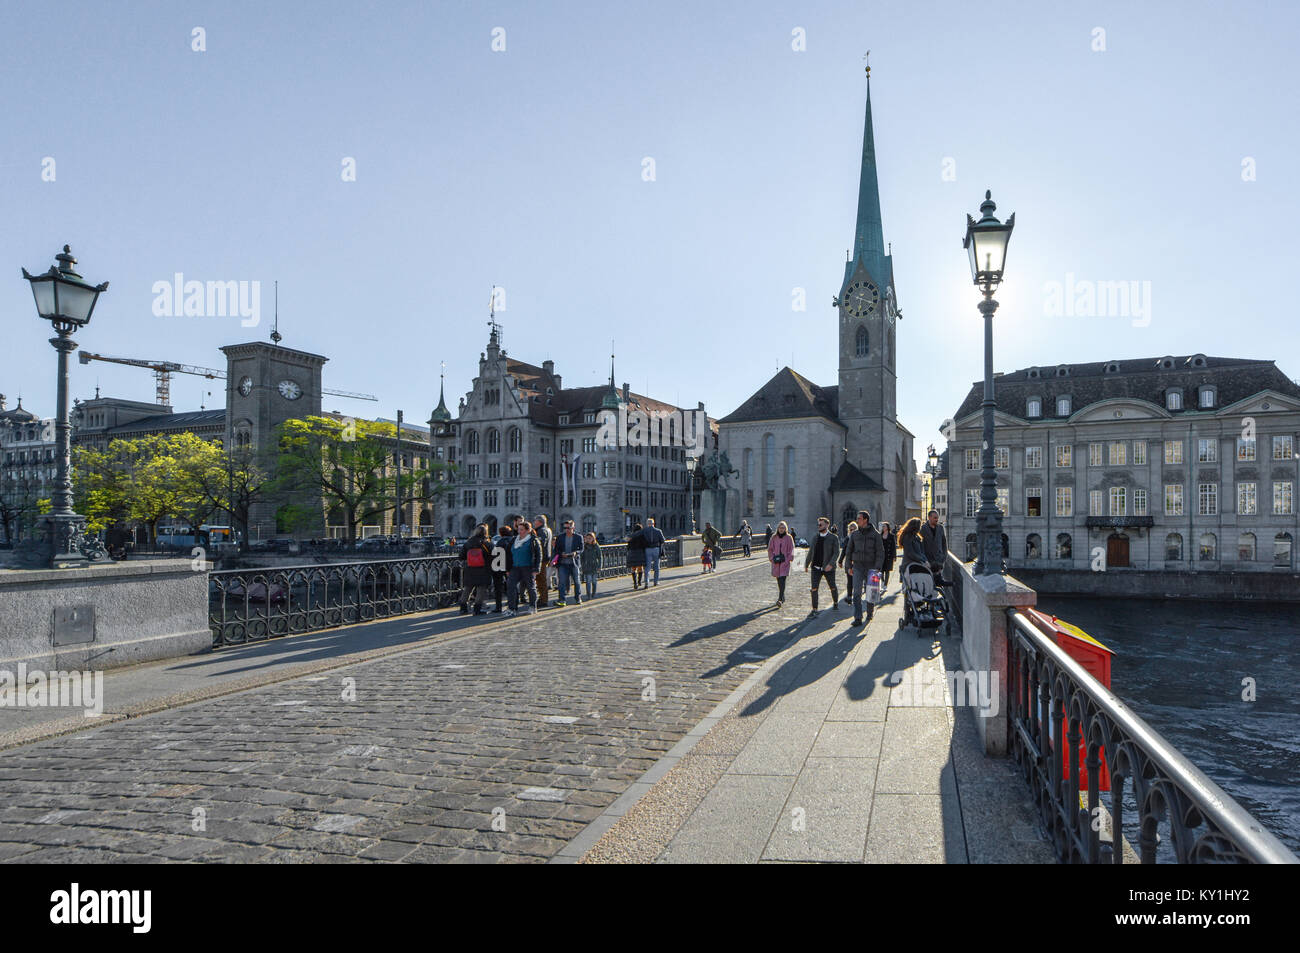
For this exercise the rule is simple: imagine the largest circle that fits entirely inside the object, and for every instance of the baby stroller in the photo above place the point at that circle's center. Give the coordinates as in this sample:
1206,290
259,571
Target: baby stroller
923,606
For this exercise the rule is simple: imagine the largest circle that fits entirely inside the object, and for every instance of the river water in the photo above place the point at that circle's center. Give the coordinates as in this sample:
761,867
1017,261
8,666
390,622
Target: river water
1180,665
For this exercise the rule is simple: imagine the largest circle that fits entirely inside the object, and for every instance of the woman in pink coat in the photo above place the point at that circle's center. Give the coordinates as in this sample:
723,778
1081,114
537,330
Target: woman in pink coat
780,553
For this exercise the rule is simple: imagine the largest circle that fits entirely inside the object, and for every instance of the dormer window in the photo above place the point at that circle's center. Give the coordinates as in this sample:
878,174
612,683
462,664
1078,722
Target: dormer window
564,418
1207,397
1112,368
1034,407
1197,360
589,418
1167,363
1063,406
1033,374
550,392
1173,399
1062,371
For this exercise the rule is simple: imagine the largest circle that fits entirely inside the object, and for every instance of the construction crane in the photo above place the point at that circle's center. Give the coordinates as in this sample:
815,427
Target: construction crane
163,371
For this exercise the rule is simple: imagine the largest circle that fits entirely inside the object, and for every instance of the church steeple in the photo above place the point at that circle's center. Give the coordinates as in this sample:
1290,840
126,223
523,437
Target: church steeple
610,401
869,239
440,413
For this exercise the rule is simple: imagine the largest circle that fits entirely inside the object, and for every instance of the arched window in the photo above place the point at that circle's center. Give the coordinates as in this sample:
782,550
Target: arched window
1173,548
1064,546
1282,551
769,475
1246,548
494,441
789,481
861,344
1209,547
471,442
1033,546
748,476
516,440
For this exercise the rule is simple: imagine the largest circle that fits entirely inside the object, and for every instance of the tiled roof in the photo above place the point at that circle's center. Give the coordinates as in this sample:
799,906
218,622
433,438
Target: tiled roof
1145,379
533,382
849,477
184,421
787,395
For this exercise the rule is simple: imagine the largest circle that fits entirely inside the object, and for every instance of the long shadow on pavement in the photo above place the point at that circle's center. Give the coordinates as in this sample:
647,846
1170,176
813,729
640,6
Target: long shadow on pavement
800,670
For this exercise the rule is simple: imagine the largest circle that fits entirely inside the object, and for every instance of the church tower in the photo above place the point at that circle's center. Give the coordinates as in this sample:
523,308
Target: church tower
868,316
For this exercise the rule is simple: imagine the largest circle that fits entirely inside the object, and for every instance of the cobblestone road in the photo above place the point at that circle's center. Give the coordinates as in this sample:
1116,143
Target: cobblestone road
534,727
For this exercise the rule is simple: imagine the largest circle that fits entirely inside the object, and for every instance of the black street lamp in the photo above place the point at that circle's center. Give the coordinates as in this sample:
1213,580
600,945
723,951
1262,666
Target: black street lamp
67,301
986,242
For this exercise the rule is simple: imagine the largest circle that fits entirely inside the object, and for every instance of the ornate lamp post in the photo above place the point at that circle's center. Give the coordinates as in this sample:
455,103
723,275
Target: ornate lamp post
691,464
986,242
67,301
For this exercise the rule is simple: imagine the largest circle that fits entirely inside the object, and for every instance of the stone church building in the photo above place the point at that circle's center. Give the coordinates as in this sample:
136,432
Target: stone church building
804,450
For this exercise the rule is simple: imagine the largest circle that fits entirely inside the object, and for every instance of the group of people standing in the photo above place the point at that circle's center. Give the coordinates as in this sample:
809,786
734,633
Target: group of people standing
515,565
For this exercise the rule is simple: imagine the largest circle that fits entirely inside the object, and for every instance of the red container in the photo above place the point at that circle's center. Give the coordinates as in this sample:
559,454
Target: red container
1095,659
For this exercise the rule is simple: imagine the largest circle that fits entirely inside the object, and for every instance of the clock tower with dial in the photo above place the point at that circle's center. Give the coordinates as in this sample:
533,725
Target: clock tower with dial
267,384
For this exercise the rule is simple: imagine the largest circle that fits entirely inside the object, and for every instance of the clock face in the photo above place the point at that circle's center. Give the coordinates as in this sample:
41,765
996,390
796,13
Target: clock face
289,390
245,386
861,298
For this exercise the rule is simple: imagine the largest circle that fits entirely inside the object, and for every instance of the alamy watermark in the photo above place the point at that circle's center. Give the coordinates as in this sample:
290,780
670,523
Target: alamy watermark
34,688
974,689
1098,299
654,428
208,299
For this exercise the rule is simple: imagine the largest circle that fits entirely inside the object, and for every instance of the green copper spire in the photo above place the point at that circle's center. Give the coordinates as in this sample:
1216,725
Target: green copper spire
610,401
441,414
869,240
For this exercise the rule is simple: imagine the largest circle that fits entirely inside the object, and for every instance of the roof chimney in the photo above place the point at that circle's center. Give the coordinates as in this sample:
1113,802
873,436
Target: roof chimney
627,393
549,367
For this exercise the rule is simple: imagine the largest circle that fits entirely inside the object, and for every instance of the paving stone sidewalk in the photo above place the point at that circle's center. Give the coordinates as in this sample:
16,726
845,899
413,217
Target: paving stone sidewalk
501,746
848,748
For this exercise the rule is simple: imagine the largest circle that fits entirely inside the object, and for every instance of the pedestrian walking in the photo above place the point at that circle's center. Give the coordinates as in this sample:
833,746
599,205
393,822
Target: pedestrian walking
545,538
706,560
636,555
767,536
911,538
568,562
848,565
780,553
935,542
866,553
820,559
654,541
890,539
746,538
590,564
711,537
525,561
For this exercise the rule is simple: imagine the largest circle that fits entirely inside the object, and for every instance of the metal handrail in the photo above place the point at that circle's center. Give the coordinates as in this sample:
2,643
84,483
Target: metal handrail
1166,785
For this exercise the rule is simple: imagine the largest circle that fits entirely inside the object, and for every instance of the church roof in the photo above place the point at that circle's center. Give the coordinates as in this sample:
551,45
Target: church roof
1145,379
849,477
869,249
787,395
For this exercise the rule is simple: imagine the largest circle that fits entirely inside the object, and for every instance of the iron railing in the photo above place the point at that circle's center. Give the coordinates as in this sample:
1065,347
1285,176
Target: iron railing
1053,706
250,605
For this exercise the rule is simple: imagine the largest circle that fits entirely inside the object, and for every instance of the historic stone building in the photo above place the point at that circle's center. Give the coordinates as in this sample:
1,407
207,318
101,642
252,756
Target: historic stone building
27,469
521,439
804,450
1168,463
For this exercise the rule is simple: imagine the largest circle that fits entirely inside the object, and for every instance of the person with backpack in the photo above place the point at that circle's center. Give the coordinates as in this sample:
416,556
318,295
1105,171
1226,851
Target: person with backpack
780,553
654,541
636,555
525,561
476,555
568,560
501,564
746,538
590,564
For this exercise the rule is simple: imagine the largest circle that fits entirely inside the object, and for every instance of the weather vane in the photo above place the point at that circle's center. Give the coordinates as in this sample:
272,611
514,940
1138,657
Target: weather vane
867,61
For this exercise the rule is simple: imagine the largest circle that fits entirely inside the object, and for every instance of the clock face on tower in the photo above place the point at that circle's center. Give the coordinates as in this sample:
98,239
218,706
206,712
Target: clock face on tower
860,298
245,386
289,390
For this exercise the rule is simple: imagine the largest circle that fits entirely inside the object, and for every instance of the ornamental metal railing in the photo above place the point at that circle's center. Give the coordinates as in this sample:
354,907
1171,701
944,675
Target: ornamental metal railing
251,605
1063,726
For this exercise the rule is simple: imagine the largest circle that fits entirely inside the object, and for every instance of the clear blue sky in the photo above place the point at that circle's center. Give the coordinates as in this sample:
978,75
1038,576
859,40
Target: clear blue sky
523,168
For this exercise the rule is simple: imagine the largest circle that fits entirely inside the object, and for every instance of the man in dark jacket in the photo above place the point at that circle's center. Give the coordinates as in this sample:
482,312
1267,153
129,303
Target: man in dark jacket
936,543
711,537
823,551
866,552
568,546
654,541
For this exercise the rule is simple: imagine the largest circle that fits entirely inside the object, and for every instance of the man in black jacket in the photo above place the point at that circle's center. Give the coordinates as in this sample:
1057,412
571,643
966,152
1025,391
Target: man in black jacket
936,543
866,551
568,546
823,551
654,541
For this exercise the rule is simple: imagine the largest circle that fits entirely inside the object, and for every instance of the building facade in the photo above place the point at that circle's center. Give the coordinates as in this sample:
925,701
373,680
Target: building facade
805,451
1174,463
523,444
28,469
